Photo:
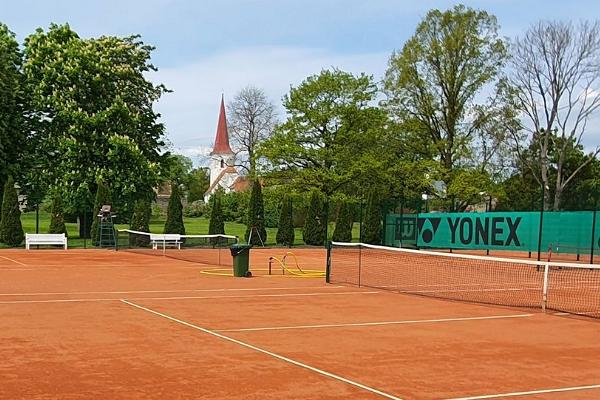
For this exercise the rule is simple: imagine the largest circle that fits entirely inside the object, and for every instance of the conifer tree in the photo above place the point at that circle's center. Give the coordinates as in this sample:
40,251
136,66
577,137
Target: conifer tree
256,233
216,225
11,230
57,216
343,224
102,198
372,222
174,222
314,226
285,229
140,221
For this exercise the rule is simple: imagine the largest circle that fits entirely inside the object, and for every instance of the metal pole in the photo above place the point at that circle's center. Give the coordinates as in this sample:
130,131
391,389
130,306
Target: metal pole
360,222
401,221
593,232
84,222
37,218
541,222
326,217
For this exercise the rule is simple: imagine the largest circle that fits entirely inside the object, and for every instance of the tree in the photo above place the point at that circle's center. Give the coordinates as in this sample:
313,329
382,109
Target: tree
140,221
174,222
343,224
11,230
198,183
433,86
216,225
372,223
12,137
285,229
57,216
251,118
103,197
314,225
92,115
256,233
329,136
555,84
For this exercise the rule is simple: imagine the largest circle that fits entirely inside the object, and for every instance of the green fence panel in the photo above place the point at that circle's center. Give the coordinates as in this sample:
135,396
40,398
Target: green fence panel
566,232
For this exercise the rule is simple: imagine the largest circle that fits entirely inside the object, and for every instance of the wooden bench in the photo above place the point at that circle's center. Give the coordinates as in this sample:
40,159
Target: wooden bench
166,239
45,239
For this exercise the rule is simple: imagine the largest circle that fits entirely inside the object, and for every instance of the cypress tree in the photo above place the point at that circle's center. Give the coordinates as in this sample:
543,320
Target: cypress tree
285,229
343,224
314,226
216,225
140,221
102,198
11,230
57,216
372,222
256,217
174,222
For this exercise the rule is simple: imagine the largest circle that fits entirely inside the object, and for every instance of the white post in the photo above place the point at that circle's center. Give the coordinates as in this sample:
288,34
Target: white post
545,289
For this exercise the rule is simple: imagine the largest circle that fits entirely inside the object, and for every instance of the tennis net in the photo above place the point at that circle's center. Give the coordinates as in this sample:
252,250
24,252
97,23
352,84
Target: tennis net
204,249
564,287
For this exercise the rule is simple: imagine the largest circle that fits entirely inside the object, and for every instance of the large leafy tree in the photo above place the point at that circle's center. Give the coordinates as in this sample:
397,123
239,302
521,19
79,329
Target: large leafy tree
328,138
92,114
433,85
12,139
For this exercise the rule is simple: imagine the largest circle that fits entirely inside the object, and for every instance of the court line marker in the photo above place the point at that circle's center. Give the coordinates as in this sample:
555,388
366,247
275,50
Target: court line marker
514,394
173,291
267,352
383,323
183,297
15,261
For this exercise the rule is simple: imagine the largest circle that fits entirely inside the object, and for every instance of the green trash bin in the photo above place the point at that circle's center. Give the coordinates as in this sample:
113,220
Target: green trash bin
241,259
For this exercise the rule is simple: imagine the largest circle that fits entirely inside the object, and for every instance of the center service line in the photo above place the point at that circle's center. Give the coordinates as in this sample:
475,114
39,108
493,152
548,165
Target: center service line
263,351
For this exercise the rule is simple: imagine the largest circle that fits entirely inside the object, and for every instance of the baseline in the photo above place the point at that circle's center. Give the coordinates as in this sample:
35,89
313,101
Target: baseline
14,261
528,393
266,352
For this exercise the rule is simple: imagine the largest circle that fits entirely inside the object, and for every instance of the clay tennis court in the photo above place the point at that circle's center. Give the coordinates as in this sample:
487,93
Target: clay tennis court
117,325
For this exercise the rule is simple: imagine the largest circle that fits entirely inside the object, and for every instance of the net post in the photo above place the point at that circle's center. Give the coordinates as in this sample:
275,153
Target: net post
359,262
545,287
328,262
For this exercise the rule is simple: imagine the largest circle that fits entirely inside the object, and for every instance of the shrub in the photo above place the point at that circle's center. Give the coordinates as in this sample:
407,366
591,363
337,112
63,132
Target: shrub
285,229
196,209
140,221
11,230
372,224
174,222
57,217
102,198
314,227
343,223
255,224
216,225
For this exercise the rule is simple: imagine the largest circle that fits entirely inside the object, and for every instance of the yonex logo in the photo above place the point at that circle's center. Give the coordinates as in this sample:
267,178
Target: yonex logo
428,227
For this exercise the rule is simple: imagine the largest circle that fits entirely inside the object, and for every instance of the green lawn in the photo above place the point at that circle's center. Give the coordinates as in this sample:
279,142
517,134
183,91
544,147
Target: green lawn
193,226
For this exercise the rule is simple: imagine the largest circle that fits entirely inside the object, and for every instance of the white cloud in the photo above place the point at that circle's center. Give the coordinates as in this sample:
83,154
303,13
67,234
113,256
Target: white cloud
190,113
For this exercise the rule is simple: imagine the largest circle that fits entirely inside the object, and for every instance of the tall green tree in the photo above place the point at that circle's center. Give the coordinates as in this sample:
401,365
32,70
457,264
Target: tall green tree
314,225
12,137
434,85
92,115
103,197
174,222
343,223
256,233
57,215
11,230
328,138
198,183
140,221
285,229
372,223
216,224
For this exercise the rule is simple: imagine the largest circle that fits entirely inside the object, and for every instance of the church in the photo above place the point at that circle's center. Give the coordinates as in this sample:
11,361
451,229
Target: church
222,164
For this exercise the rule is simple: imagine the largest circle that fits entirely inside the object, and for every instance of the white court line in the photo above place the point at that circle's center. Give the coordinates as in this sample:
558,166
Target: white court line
184,297
15,261
173,291
359,324
267,352
514,394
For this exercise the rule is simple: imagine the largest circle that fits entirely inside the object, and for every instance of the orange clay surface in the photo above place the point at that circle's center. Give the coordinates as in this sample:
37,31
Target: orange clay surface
99,324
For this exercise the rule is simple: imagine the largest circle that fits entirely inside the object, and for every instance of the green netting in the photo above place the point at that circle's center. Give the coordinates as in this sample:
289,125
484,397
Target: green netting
565,232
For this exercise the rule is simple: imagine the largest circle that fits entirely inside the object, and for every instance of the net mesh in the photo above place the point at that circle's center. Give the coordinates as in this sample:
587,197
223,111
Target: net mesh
204,249
571,288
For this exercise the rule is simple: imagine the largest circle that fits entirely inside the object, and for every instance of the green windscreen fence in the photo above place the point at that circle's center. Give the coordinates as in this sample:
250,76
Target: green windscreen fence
566,232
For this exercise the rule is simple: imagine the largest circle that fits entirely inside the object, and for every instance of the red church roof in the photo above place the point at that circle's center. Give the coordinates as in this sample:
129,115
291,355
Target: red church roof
222,138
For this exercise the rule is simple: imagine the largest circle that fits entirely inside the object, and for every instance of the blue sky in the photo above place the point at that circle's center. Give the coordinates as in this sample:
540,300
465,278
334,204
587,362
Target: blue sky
204,48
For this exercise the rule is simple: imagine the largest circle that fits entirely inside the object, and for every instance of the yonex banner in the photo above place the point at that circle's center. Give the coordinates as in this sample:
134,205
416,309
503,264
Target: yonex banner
570,231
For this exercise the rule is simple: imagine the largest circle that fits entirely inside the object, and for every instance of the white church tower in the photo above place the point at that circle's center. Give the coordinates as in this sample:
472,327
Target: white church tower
223,173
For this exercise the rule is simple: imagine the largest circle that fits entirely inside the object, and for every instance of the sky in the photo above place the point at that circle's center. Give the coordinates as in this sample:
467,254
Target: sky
208,48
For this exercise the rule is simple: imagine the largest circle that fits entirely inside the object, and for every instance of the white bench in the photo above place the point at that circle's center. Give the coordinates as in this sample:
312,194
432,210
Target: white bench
45,239
166,239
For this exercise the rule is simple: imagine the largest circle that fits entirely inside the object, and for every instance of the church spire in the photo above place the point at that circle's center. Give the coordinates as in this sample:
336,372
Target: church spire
222,138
